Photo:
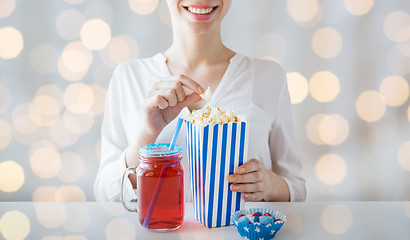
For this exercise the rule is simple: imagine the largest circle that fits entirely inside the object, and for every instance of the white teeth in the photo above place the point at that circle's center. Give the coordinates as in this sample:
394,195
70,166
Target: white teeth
200,10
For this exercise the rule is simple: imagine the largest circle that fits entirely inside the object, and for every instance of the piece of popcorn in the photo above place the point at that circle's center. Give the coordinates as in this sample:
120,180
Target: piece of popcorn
207,95
212,116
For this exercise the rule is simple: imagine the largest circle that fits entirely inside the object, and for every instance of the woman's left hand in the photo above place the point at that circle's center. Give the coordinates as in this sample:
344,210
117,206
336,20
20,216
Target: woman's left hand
257,183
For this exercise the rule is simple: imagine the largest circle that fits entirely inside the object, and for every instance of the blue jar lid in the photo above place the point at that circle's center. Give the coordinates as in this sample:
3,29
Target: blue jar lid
159,149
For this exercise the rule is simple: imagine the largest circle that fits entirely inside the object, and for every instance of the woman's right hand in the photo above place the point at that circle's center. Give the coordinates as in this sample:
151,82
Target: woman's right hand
165,100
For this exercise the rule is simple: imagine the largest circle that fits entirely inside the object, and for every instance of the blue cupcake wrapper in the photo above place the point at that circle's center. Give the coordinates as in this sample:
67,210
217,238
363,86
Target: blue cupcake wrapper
257,230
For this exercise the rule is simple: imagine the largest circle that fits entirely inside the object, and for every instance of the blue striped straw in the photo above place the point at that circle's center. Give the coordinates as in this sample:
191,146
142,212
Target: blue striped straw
176,133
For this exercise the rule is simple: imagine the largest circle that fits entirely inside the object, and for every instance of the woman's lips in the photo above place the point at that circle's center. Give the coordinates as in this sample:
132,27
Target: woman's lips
201,12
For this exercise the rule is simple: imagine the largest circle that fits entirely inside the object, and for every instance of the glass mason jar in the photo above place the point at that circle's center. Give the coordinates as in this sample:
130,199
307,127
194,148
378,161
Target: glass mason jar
160,187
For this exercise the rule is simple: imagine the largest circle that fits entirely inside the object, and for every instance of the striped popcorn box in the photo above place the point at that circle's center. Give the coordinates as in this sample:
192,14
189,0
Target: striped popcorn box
214,152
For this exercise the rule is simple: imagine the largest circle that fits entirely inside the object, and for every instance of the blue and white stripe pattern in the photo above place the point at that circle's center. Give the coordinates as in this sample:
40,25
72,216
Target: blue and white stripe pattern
214,152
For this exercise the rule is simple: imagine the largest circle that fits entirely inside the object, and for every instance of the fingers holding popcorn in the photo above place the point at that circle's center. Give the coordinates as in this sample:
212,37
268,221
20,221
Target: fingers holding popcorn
186,82
163,98
166,98
174,85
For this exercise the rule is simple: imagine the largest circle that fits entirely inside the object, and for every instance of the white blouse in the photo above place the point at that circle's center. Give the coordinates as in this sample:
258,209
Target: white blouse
253,87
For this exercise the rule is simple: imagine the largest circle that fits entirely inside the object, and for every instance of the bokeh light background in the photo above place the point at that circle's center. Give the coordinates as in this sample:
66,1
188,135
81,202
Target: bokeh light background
348,65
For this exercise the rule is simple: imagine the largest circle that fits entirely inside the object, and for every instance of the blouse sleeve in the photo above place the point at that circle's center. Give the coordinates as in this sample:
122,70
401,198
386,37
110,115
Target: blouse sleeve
282,144
107,185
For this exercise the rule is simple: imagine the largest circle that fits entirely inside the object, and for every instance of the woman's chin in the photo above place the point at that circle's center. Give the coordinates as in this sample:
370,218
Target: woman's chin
201,28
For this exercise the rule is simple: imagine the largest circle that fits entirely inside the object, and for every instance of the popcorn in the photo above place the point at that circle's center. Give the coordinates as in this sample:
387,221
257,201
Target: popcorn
207,95
203,128
212,116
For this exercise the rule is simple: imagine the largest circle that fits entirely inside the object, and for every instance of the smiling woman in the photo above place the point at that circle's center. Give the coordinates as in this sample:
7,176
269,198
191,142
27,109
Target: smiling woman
348,79
147,96
197,16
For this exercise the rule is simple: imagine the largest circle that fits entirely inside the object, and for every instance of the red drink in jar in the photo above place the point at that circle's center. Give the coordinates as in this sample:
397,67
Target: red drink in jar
156,163
160,187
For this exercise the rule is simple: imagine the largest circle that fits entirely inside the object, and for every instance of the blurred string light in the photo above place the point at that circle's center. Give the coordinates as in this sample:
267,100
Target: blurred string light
76,58
297,86
44,194
23,120
404,155
11,42
37,117
404,48
7,7
332,129
120,49
45,161
51,215
324,86
28,139
408,113
61,135
69,23
5,134
331,169
53,94
46,105
327,42
99,93
75,61
70,193
358,7
14,225
63,193
67,63
120,228
336,219
312,129
396,26
78,98
395,90
303,10
11,176
78,123
370,106
143,7
95,34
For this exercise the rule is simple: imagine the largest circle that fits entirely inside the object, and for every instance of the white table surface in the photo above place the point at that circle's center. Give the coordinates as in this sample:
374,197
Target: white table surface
308,220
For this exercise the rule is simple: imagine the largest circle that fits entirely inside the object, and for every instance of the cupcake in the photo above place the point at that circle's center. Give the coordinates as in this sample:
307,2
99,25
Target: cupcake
258,223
